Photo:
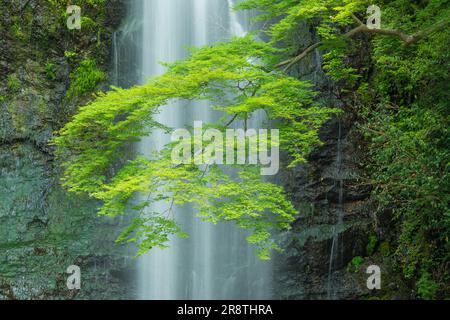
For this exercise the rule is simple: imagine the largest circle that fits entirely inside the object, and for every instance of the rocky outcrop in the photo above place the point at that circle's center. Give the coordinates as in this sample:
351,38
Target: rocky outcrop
43,230
305,265
334,202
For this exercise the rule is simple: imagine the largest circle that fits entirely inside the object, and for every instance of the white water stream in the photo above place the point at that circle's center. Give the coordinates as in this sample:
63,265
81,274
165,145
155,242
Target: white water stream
215,262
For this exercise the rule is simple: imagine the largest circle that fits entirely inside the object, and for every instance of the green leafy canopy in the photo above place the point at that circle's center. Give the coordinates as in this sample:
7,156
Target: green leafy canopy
236,77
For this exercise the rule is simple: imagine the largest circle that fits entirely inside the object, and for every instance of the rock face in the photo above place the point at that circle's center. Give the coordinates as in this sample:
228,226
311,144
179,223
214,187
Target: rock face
43,230
334,203
305,265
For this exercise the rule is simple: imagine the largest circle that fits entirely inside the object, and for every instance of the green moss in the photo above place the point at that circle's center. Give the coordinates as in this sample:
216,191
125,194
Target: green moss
13,82
371,245
17,32
69,54
427,287
88,23
84,79
385,249
357,261
354,265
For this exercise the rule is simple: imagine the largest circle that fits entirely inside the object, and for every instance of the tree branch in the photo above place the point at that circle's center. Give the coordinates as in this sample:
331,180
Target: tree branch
293,61
232,120
362,28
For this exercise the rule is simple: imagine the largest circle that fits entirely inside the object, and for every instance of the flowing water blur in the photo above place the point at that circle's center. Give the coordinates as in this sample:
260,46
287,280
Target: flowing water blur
337,244
215,262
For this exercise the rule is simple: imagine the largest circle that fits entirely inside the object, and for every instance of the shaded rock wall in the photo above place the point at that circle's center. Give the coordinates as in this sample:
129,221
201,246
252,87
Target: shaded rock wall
333,200
43,230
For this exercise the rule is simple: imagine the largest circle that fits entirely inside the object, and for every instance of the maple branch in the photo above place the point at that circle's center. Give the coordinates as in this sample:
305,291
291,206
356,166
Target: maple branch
232,120
296,59
362,28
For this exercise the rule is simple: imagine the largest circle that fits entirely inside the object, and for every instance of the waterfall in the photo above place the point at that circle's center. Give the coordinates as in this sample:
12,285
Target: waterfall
115,60
337,245
215,262
236,27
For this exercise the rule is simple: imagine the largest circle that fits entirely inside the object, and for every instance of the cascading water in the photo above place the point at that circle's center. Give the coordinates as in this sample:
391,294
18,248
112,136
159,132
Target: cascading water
215,262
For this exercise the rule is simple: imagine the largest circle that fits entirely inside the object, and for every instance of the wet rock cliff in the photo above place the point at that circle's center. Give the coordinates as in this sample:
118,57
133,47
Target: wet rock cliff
43,230
332,242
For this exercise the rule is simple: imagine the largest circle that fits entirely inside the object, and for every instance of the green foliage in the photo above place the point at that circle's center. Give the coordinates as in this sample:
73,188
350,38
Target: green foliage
408,127
385,249
329,17
50,71
17,31
84,79
371,245
154,228
236,78
70,54
246,201
354,265
427,288
357,261
415,182
411,171
403,91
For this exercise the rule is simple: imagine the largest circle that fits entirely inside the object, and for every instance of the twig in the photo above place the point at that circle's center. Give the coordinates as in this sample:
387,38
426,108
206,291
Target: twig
232,120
